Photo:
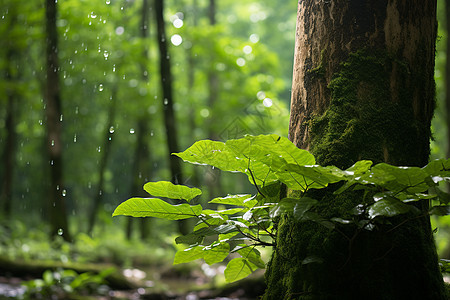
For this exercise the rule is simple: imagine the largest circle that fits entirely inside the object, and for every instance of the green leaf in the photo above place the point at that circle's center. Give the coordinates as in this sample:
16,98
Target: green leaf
438,167
216,253
215,154
395,179
298,207
195,237
388,207
359,168
153,207
230,211
188,255
444,197
440,210
173,191
238,268
251,254
238,200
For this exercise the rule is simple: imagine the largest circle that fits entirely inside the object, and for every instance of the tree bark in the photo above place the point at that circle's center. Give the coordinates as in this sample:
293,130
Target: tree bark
363,88
9,145
447,74
106,151
169,114
57,205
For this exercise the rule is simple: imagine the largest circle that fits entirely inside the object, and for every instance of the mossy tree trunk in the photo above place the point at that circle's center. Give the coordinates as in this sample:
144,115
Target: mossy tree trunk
363,88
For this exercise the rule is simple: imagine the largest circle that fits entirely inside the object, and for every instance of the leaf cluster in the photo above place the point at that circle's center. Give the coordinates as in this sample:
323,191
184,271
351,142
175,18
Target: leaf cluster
271,163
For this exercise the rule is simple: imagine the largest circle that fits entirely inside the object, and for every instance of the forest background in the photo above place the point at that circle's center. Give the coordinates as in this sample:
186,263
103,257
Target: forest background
231,72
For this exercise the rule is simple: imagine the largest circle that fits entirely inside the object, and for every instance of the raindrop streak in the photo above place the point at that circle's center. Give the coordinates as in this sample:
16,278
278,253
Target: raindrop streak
75,138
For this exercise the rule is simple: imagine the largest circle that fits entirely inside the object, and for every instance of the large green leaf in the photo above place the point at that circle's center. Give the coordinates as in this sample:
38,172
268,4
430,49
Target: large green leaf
297,207
388,207
215,154
238,268
188,255
251,155
173,191
410,179
359,168
216,253
438,167
251,254
212,254
153,207
238,200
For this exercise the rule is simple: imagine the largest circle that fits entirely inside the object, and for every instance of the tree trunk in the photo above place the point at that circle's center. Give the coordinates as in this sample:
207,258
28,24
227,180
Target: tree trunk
106,151
447,74
213,176
169,115
363,88
9,145
142,164
57,206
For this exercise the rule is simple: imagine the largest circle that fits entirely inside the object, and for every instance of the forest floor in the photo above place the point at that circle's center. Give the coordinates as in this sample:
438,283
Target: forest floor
148,283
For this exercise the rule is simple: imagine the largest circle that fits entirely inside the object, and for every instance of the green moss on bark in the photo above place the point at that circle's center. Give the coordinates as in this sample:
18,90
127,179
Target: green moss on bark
363,120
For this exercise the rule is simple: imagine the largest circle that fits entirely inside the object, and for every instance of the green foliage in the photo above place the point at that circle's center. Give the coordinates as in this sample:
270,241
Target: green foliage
271,161
66,282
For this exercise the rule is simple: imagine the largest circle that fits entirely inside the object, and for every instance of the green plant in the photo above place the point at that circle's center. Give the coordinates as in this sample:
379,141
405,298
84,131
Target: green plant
273,165
65,282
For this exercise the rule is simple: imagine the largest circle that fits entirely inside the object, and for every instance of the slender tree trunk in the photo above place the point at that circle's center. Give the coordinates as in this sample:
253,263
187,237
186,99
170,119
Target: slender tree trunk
213,181
169,115
363,88
142,159
191,83
8,150
57,205
106,151
447,73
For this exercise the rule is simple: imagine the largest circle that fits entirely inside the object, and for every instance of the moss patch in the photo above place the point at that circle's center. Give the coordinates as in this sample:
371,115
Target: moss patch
365,120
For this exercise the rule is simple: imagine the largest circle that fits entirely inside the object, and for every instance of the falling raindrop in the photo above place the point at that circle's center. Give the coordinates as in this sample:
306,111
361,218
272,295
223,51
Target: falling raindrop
61,118
240,62
93,15
166,101
64,193
40,122
178,23
120,30
108,1
53,143
131,130
105,54
100,87
60,231
99,149
176,39
75,138
267,102
111,129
